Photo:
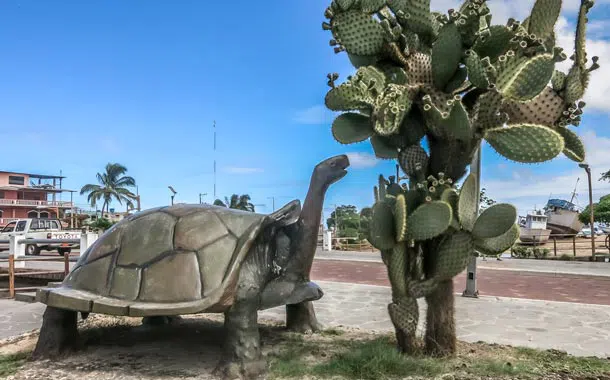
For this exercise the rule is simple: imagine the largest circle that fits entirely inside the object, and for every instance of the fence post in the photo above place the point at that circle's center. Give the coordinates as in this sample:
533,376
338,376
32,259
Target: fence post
574,245
66,264
555,245
18,250
11,276
15,248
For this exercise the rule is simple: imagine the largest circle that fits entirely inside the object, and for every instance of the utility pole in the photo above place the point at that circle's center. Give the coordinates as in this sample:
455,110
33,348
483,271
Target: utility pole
471,271
272,202
214,159
174,192
591,211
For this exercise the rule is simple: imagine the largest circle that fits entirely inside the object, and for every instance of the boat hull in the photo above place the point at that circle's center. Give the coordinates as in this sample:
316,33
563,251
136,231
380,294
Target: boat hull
564,222
534,235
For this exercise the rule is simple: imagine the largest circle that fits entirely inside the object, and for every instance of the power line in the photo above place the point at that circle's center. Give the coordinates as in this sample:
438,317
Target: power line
214,159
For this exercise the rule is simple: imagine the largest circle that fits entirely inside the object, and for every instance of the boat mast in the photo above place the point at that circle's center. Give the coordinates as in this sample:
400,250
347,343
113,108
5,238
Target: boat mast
574,192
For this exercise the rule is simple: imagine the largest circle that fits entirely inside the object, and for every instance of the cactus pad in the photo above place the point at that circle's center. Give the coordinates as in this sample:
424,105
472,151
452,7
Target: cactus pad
453,255
488,113
528,143
351,128
574,148
499,244
495,43
429,220
522,78
400,217
410,157
543,17
347,97
382,148
391,110
477,74
494,221
405,314
545,109
446,55
382,231
419,289
397,270
358,32
468,201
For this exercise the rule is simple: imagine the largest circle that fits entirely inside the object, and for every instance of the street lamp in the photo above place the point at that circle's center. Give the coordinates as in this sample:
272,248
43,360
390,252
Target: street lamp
174,193
200,195
591,216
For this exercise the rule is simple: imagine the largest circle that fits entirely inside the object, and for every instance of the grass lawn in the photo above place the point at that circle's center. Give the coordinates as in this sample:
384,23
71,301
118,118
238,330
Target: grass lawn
10,363
376,357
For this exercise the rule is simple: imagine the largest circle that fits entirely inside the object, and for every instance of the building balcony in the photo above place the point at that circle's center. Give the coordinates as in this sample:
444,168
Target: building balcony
32,203
5,221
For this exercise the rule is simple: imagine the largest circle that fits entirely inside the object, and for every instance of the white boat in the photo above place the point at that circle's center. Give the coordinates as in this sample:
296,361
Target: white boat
563,215
533,229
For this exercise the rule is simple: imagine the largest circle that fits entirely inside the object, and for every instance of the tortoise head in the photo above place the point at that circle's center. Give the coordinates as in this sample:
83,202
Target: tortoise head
331,170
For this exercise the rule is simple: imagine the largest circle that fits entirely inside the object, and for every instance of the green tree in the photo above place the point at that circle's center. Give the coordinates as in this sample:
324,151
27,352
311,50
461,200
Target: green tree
239,202
347,222
112,185
601,211
365,219
605,176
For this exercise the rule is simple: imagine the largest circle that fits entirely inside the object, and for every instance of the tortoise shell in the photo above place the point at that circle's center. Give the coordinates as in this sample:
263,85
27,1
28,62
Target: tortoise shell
165,261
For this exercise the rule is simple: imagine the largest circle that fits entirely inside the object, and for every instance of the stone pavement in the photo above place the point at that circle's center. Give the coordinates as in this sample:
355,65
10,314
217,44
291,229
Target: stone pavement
576,328
17,317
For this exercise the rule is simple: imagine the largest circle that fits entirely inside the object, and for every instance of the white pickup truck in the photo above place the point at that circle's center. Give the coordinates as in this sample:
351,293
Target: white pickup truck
36,228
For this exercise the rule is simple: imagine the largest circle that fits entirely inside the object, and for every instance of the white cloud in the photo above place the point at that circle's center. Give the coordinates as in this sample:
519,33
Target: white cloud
314,115
360,160
242,170
526,190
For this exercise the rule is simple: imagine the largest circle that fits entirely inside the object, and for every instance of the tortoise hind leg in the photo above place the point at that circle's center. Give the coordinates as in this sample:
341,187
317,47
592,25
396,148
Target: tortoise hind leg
58,333
242,354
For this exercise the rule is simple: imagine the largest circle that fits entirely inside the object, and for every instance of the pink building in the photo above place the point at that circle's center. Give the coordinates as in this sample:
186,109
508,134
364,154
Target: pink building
24,195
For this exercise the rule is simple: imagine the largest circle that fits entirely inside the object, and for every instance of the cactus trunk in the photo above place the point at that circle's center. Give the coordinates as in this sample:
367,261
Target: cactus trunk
440,338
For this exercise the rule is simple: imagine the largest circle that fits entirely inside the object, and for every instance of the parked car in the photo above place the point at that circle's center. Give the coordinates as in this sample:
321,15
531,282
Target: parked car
586,232
39,228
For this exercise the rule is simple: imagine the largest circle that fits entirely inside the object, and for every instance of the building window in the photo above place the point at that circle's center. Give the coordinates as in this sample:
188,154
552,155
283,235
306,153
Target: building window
44,215
16,180
1,194
33,214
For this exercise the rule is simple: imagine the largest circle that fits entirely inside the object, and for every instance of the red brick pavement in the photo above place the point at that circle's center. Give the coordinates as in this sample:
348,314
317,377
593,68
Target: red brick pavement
541,286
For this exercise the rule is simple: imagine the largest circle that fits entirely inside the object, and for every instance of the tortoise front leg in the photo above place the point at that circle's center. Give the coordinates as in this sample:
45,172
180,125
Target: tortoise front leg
242,351
58,334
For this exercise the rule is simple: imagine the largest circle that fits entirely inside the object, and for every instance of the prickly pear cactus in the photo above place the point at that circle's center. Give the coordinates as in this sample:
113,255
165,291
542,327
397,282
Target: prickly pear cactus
451,80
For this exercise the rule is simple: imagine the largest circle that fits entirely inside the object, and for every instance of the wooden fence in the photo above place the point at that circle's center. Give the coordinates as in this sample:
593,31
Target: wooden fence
12,273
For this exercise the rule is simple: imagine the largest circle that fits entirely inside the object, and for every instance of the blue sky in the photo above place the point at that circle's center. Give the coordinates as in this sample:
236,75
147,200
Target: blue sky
141,82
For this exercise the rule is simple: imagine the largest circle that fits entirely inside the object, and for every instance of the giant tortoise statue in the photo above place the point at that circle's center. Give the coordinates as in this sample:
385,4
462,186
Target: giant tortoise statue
187,259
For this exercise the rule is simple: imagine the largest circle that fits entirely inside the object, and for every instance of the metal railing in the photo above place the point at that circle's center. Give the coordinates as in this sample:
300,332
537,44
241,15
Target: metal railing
31,202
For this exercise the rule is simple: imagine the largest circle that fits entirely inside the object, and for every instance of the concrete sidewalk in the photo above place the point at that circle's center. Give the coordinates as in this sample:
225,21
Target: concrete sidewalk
576,328
519,265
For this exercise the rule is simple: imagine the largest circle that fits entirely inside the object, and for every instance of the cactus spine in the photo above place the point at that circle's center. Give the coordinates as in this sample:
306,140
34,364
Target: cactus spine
451,80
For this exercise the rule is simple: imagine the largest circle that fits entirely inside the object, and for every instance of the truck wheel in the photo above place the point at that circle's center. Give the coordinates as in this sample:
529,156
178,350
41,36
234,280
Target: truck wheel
64,251
32,250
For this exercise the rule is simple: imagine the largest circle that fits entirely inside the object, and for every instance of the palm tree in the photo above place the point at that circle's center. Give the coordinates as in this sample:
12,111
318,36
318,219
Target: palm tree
113,184
239,202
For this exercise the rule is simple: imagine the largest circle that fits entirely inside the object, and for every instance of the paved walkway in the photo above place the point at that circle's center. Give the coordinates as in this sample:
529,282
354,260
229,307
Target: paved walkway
576,328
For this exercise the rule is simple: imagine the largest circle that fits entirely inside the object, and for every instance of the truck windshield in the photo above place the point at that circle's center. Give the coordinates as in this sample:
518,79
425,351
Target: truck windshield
20,226
9,227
